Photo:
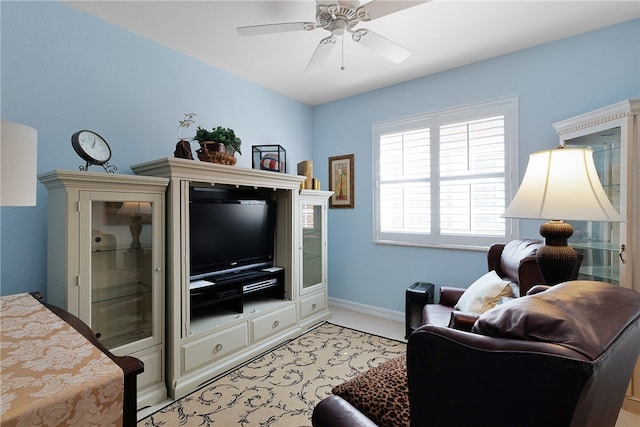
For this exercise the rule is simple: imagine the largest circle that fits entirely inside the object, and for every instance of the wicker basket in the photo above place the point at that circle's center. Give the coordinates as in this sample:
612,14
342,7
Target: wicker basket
210,152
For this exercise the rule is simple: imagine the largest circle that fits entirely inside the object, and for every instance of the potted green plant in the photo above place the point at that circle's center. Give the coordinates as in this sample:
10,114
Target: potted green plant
224,136
217,145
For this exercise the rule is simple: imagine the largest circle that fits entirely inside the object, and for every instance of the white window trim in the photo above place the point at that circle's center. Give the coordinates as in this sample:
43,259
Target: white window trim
507,106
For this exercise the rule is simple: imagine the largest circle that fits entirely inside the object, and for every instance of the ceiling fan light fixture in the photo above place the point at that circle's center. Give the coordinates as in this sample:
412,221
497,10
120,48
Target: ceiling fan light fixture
340,17
338,27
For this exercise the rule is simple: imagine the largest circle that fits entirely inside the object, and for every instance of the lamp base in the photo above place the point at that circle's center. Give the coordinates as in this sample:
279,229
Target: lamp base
135,228
557,261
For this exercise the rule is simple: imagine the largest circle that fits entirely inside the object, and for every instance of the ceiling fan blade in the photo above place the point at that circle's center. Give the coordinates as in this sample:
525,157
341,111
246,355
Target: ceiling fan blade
385,47
321,54
256,30
378,8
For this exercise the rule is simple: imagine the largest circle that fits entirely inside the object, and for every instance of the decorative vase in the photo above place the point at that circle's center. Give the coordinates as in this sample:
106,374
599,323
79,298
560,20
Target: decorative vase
183,150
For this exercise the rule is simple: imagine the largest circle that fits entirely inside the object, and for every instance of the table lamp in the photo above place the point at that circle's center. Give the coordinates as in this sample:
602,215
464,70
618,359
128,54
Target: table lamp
135,210
560,184
18,164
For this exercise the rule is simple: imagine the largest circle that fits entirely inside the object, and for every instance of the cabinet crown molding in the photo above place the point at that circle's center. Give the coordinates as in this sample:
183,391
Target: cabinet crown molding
628,107
193,170
60,178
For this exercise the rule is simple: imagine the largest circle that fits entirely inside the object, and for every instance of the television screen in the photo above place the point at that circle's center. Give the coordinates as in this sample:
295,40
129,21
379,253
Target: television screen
229,232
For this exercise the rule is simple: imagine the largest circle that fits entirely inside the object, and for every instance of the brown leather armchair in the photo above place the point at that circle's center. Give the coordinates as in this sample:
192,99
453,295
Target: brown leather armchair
514,261
562,357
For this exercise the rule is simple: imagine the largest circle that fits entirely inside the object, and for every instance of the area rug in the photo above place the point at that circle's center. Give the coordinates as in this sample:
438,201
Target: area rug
281,387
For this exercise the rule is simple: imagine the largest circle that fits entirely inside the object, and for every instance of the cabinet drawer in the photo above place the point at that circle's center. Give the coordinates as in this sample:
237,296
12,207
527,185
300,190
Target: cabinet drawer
153,367
273,322
215,346
313,304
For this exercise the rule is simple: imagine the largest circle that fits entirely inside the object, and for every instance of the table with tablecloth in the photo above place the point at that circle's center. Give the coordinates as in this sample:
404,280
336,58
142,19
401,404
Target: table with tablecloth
50,374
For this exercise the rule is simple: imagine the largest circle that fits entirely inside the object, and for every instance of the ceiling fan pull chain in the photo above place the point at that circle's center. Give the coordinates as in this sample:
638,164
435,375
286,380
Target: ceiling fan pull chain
342,67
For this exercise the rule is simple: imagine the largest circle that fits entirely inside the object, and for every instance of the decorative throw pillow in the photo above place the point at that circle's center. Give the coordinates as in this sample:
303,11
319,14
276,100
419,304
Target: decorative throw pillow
381,393
484,293
574,314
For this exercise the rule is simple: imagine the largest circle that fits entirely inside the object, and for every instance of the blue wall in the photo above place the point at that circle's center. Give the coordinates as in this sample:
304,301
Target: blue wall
63,71
552,82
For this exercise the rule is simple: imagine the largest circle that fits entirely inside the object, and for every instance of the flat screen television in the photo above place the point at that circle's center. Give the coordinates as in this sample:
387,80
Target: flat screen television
230,231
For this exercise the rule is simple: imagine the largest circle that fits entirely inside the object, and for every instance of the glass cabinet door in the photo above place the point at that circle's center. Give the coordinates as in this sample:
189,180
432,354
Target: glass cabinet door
118,280
311,245
600,242
313,248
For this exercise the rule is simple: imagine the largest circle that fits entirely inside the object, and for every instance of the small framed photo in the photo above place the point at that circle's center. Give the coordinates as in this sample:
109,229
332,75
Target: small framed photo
341,181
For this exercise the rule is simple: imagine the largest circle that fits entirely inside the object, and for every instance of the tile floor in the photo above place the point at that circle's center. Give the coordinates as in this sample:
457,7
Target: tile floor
394,330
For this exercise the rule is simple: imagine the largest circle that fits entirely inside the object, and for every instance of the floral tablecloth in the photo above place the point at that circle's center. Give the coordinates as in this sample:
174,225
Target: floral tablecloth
50,374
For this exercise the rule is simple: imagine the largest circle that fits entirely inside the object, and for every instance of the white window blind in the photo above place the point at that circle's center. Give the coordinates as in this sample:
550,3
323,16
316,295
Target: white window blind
472,166
405,181
441,179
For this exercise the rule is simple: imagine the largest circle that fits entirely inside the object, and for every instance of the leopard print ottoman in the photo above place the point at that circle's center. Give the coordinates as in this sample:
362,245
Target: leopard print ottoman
381,393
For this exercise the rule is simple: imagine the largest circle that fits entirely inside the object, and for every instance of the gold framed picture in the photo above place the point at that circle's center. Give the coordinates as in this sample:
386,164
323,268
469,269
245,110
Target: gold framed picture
341,181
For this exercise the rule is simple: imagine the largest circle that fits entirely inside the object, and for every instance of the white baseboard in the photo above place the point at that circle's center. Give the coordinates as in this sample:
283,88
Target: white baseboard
370,310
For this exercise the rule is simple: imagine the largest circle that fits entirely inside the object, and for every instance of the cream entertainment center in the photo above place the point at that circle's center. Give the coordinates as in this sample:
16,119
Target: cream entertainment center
235,265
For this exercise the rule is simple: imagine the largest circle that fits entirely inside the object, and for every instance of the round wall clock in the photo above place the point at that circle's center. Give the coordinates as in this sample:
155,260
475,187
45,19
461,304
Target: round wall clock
93,149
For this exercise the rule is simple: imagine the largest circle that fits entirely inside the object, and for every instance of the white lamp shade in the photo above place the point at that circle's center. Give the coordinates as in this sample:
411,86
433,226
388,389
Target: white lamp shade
18,164
562,184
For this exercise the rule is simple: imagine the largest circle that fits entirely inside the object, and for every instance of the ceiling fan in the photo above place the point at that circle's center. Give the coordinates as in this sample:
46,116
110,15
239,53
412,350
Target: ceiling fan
339,17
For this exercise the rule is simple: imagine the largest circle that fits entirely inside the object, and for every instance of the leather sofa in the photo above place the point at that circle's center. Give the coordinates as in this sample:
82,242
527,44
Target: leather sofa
561,357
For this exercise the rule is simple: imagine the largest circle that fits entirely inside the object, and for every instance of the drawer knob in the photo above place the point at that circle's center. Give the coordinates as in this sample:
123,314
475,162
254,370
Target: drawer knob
313,306
217,348
276,324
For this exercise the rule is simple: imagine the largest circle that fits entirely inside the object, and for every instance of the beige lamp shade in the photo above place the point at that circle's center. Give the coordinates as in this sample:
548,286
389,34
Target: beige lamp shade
562,184
18,164
135,208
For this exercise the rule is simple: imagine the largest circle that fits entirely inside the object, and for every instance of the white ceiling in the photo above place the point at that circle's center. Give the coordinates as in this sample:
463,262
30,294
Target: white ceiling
442,34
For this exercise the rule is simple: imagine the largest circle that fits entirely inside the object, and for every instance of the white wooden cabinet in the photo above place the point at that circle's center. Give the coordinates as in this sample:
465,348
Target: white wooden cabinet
201,346
105,263
313,255
610,252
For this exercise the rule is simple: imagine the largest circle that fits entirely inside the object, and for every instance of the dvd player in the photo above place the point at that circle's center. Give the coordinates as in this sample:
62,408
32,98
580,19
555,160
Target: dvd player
256,286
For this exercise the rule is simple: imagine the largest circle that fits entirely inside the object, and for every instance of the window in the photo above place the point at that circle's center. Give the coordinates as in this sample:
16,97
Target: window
443,178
